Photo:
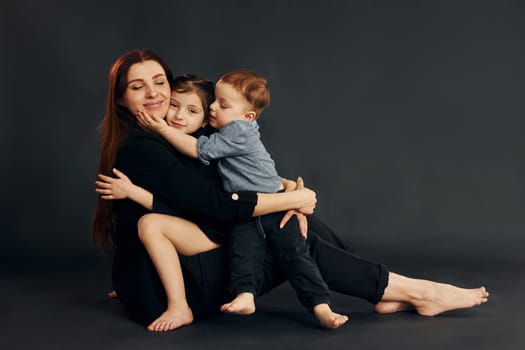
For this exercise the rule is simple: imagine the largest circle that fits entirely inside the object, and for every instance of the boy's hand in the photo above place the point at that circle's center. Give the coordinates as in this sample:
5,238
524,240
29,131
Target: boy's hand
289,185
150,122
114,188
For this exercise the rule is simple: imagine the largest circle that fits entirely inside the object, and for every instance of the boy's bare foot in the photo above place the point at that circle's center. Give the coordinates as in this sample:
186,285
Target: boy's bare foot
243,304
171,319
327,318
112,294
389,307
439,297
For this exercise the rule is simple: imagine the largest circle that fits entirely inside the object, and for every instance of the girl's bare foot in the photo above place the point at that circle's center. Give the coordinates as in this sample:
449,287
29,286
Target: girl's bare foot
439,297
327,318
171,319
243,304
389,307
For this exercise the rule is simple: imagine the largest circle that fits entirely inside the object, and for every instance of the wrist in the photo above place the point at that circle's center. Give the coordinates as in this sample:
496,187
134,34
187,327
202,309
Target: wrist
162,130
298,200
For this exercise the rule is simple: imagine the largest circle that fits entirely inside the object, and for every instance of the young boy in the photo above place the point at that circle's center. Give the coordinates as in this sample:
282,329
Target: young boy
245,165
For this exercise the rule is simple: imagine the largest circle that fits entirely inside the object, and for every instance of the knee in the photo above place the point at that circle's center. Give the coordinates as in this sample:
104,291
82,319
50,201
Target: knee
292,251
147,226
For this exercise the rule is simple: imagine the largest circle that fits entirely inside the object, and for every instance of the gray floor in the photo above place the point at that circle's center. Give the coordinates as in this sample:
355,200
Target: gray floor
68,309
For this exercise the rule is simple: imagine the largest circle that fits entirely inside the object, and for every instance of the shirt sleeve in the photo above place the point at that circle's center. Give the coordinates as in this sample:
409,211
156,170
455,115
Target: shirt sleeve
230,141
150,162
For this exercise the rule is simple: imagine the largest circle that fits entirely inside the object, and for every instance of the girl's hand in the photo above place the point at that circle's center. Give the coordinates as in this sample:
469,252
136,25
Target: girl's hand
150,122
111,188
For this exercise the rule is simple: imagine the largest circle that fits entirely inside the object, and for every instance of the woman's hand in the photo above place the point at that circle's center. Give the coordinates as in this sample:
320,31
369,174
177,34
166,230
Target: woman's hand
309,198
111,188
310,201
150,122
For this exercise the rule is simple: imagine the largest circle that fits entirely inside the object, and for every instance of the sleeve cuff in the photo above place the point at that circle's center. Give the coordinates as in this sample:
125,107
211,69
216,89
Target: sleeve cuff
201,150
247,202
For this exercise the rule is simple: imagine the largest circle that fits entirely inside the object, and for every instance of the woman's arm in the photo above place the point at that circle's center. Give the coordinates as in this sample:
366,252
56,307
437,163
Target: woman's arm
111,188
121,187
302,200
151,163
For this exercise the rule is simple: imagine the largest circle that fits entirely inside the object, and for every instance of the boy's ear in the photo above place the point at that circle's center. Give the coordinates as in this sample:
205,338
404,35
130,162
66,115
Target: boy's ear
250,116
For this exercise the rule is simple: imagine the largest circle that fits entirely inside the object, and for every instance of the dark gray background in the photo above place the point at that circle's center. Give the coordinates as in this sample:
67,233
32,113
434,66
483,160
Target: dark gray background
404,116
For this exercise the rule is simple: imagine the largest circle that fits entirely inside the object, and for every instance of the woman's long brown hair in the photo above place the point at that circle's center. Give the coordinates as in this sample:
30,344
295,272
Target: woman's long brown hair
114,129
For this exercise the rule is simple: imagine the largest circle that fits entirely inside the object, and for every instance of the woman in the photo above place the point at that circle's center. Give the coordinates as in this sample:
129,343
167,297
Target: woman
140,80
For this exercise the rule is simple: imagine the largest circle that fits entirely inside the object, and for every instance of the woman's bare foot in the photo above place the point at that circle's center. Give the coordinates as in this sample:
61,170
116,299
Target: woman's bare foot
243,304
112,295
171,319
389,307
438,298
327,318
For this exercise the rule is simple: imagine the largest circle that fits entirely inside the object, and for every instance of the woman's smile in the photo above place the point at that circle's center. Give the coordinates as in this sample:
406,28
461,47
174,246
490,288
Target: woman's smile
153,104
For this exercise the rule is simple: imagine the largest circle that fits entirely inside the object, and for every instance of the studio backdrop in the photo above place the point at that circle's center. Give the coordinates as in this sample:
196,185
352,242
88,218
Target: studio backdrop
403,116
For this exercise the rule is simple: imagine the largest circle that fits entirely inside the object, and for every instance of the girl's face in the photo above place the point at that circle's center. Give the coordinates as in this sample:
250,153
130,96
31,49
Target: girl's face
147,89
186,112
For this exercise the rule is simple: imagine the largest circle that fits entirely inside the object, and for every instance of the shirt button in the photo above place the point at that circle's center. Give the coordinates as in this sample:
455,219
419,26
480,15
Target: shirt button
235,196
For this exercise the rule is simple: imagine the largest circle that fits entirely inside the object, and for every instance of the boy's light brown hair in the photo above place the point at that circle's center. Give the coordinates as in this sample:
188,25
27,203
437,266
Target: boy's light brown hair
252,86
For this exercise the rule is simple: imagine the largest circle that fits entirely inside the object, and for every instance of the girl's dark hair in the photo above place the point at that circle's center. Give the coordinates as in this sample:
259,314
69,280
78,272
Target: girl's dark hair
204,88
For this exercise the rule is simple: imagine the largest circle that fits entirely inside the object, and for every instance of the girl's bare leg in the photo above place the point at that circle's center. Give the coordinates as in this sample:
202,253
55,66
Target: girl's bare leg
164,237
428,298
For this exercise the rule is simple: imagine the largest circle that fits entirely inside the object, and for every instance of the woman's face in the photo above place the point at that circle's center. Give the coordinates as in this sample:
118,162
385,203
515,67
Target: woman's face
147,89
186,112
